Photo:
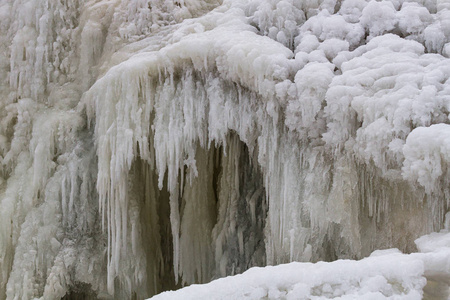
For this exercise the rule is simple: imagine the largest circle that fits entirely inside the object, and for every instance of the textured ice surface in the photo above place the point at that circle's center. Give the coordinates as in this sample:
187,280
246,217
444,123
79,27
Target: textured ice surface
151,144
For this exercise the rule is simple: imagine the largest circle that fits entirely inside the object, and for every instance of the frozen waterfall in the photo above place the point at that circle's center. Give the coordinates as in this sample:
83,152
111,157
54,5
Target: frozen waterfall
146,145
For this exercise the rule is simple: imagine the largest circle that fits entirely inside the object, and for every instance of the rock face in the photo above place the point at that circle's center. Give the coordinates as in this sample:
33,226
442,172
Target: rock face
150,144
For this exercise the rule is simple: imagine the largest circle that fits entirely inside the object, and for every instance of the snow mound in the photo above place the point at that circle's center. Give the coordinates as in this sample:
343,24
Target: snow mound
386,274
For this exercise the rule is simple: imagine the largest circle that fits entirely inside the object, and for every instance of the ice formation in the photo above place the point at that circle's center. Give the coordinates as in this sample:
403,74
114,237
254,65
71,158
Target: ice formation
150,144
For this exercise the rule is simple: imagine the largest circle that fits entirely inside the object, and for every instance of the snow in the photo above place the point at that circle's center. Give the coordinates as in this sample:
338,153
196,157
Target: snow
151,144
426,150
378,17
385,274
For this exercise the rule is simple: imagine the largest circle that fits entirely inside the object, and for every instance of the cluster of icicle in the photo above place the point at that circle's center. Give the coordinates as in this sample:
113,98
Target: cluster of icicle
150,144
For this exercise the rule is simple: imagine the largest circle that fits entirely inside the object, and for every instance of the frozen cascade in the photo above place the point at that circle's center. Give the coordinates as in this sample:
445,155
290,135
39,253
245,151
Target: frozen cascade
150,144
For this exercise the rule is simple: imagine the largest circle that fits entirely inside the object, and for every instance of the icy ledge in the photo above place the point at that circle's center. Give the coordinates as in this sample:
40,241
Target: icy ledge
386,274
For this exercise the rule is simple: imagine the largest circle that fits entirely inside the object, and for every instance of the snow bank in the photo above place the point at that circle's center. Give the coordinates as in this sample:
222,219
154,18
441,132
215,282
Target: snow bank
386,274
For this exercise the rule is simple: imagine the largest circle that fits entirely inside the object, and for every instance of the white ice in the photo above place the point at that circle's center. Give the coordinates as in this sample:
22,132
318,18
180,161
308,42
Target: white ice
151,144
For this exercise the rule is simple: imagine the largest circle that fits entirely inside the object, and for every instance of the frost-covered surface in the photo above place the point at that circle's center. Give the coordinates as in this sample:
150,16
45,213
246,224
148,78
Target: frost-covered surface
386,274
150,144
